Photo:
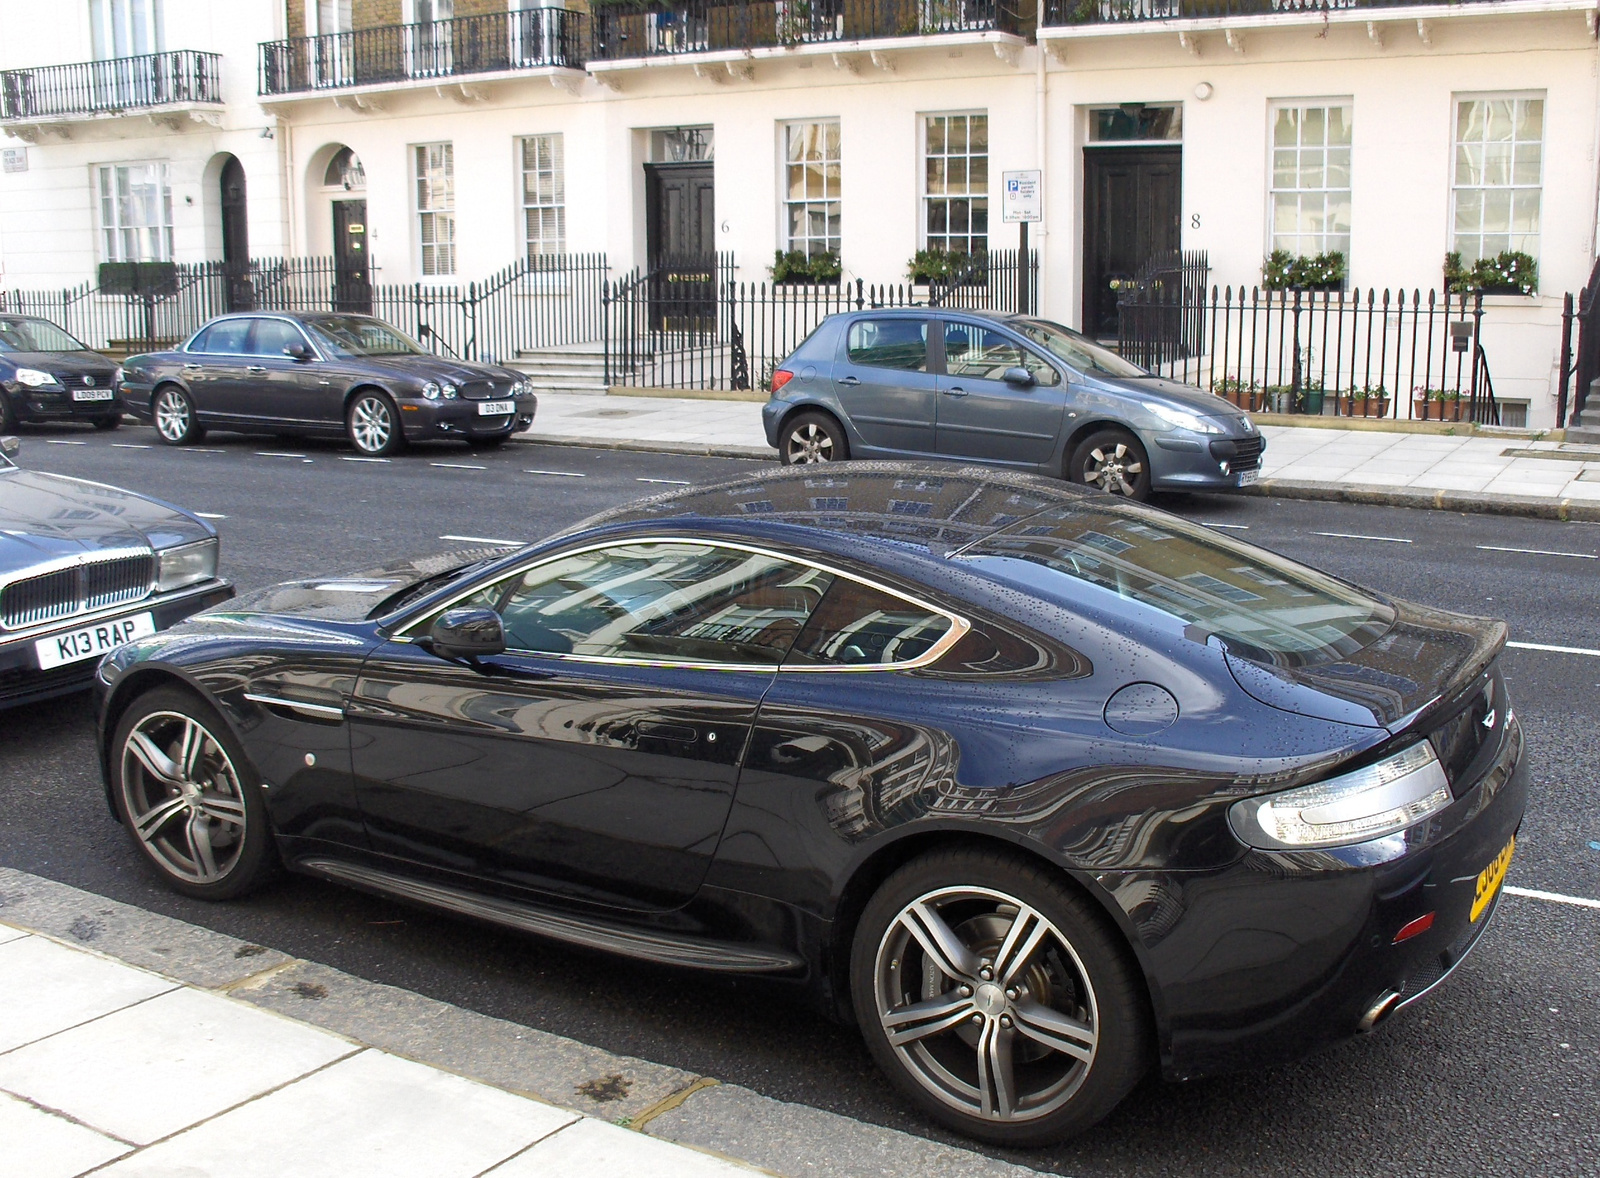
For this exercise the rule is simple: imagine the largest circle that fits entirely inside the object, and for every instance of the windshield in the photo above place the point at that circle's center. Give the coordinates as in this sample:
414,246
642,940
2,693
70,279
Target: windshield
35,335
1078,351
358,335
1261,605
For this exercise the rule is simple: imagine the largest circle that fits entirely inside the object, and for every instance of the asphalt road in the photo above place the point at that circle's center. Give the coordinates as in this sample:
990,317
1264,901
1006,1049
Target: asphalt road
1497,1073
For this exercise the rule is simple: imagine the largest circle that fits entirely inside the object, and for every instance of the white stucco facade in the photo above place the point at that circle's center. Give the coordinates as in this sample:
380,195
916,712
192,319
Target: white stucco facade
1400,72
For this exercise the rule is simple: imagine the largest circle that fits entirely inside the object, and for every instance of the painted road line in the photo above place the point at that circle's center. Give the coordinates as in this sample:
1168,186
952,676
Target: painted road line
672,482
277,454
349,458
458,466
485,540
1553,649
1230,527
199,450
1539,552
565,474
210,515
1359,536
65,442
1553,897
130,445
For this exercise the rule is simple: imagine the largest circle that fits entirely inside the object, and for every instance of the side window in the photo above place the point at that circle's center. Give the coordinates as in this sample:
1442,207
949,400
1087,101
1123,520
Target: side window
889,343
857,625
231,337
273,335
673,601
979,353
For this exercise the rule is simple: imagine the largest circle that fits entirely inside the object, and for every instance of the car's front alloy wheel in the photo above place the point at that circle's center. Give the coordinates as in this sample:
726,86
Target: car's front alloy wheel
374,426
1114,461
174,417
994,996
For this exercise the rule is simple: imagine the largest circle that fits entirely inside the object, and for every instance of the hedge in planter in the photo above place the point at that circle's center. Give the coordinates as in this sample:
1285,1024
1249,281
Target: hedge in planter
794,268
1508,272
1285,271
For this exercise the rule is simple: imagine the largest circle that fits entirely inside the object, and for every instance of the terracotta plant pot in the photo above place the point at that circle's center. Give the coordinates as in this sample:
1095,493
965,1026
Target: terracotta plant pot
1436,410
1369,407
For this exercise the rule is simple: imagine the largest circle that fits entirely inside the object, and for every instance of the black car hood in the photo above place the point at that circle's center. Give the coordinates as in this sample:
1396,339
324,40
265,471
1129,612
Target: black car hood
61,363
45,516
441,368
1426,655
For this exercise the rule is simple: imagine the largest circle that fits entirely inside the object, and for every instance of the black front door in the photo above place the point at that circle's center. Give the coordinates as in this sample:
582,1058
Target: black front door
240,296
1131,198
680,236
352,284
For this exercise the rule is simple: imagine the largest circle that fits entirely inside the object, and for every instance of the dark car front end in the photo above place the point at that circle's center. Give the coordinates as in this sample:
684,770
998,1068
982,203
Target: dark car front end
47,376
85,568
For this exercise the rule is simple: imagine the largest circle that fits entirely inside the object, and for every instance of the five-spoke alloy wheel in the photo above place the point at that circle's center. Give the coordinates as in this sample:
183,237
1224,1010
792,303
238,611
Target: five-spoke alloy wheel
812,437
993,994
373,424
174,417
1114,461
189,797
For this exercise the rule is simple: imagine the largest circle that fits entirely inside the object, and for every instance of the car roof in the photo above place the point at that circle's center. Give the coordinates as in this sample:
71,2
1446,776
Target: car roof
925,312
934,506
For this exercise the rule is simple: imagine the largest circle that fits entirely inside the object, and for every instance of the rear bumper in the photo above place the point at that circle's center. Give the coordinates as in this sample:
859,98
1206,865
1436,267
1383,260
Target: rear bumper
22,681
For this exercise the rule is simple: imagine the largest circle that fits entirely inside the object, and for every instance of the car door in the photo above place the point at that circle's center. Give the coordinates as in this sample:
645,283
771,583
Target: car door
215,370
984,416
286,390
596,758
886,385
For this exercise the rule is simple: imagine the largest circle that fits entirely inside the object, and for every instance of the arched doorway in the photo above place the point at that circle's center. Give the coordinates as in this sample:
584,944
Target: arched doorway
346,182
235,236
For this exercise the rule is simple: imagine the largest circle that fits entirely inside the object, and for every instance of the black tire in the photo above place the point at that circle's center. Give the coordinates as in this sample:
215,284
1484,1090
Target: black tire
372,424
108,423
173,414
812,436
1076,987
489,442
206,828
1112,460
8,415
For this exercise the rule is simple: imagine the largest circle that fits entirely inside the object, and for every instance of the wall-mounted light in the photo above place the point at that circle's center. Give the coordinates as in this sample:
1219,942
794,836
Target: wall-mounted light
1204,91
266,133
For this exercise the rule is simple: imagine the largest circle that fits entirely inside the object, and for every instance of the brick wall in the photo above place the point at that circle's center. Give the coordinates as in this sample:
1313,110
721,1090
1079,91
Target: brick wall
369,14
478,7
295,22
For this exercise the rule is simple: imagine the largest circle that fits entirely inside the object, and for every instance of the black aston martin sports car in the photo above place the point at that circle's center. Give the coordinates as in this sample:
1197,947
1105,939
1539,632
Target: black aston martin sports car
1039,787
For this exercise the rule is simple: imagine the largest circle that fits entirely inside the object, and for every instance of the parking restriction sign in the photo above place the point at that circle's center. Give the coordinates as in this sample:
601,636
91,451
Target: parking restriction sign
1020,200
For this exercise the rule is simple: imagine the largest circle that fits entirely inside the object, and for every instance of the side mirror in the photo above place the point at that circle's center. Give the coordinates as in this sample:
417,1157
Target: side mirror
467,634
1020,377
9,446
297,351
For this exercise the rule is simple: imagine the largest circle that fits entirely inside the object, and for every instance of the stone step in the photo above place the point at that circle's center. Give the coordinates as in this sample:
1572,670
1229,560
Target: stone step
1586,434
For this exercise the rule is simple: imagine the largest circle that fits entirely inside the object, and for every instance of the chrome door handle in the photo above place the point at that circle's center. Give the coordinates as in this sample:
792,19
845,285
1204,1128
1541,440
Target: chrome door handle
256,370
956,391
849,380
193,367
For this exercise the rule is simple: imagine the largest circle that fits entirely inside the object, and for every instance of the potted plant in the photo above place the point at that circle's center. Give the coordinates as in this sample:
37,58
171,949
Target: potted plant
1236,391
1285,271
795,268
1436,404
931,266
1309,400
1366,401
1508,272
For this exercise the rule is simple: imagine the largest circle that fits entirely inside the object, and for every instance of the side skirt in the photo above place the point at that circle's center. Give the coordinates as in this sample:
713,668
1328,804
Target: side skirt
664,949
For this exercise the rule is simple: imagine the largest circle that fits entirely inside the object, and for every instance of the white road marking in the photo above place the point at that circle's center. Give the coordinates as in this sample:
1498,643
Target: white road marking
458,466
1539,552
1553,897
673,482
210,515
1553,649
485,540
198,450
565,474
348,458
1359,536
277,454
130,445
1230,527
65,442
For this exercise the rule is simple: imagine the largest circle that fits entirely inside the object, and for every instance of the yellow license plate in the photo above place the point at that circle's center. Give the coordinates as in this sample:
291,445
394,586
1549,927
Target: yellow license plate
1490,879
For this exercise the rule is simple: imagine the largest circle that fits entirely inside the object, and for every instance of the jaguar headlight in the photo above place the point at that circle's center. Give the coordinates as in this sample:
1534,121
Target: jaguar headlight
431,391
449,391
1183,419
35,379
1356,807
187,565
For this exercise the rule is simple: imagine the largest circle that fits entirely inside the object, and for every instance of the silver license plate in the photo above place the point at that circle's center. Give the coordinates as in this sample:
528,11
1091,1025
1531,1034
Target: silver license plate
91,394
1247,478
496,408
91,641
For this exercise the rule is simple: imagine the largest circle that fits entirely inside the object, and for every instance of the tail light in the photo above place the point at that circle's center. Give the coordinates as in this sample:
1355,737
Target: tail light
780,378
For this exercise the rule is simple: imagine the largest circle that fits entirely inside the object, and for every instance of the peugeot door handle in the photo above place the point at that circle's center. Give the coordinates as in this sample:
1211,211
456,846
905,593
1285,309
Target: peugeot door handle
957,391
849,380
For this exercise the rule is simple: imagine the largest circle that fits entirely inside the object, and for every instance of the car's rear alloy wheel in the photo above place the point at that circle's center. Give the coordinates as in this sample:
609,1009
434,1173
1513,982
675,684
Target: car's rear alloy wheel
994,996
812,437
374,425
189,797
1114,461
173,412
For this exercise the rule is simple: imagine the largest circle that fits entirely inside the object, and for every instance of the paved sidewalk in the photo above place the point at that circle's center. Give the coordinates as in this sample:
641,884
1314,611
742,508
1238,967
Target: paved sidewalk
1508,474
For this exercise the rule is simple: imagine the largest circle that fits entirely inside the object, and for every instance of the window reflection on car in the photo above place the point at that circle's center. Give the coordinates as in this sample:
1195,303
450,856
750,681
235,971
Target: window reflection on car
1081,353
981,353
349,336
901,344
36,335
226,337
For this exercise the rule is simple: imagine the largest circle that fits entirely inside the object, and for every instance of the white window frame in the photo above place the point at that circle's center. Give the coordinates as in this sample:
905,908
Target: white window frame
1329,240
112,24
341,12
926,199
1456,187
431,213
806,242
113,230
543,244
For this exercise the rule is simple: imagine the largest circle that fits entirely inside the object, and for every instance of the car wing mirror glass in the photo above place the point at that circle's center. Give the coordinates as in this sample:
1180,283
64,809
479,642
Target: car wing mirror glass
467,634
1020,377
9,446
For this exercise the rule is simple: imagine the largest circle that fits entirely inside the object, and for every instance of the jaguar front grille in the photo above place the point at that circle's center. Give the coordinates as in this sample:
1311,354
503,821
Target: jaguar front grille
83,586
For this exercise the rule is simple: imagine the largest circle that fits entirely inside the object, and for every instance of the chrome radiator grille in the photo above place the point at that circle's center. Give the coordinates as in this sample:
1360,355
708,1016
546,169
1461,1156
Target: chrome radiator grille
83,586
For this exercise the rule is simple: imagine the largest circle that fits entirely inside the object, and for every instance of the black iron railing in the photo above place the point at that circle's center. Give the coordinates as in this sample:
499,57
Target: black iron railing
671,27
1580,357
107,87
525,39
1400,354
1092,12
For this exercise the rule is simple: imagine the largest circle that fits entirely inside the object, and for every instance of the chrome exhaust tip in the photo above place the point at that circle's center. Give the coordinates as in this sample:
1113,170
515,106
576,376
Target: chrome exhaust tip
1378,1011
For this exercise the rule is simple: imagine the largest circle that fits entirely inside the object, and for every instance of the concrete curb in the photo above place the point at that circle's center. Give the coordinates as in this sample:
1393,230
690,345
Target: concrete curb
696,1112
765,453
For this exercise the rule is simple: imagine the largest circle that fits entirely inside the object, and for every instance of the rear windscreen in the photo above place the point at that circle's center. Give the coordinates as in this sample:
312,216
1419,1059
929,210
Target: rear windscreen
1259,604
